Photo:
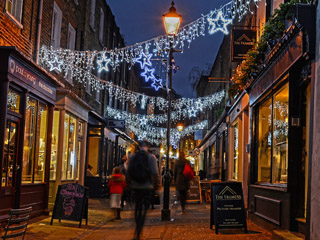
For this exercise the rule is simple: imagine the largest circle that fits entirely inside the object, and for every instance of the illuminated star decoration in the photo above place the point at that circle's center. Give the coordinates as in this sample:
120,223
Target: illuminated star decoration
199,105
219,23
143,121
192,112
144,60
55,64
148,74
103,63
157,84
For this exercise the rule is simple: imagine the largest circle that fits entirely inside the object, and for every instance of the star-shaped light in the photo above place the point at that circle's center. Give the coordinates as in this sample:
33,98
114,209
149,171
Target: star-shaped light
192,112
148,74
219,23
55,64
157,84
144,60
199,105
143,121
103,63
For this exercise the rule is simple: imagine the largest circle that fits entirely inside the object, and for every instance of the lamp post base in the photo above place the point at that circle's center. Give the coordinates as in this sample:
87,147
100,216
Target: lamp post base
165,215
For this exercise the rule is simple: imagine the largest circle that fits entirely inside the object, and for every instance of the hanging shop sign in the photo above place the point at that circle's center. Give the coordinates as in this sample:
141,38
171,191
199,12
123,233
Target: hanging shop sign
22,73
71,203
242,41
227,206
116,123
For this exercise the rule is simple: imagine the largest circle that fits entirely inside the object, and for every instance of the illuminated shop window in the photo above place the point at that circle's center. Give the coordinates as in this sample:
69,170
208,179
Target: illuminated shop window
235,160
273,138
35,139
54,145
13,101
69,147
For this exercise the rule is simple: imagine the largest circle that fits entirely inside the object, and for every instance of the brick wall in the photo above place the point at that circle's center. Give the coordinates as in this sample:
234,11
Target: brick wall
12,34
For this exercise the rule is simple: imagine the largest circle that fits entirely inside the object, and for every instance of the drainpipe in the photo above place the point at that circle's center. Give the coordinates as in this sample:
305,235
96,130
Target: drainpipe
38,31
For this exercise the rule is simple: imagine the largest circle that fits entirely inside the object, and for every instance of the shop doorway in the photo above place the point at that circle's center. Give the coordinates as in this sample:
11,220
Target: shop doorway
10,166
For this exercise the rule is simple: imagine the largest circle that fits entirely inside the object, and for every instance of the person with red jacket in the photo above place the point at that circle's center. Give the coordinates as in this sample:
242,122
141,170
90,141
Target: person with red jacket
116,185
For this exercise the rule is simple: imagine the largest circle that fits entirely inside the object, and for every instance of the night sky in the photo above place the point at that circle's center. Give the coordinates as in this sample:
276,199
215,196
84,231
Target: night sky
140,20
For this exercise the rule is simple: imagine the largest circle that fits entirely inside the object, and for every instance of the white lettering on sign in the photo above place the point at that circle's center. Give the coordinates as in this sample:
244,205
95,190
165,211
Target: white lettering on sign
46,88
26,74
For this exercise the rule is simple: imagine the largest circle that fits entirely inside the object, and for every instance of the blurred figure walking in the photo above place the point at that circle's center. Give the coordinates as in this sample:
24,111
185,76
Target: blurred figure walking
143,174
116,185
182,180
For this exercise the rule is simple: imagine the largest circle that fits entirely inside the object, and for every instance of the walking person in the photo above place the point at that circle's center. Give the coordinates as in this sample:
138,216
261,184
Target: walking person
143,174
182,181
116,185
126,192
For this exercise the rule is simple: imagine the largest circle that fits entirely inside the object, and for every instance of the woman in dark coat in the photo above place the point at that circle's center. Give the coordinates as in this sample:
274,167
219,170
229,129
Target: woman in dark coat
182,183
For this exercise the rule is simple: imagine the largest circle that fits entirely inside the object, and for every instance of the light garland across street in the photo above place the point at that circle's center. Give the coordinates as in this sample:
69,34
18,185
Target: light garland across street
215,21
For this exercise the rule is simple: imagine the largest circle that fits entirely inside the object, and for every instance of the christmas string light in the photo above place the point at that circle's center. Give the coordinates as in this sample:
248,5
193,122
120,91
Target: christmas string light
157,46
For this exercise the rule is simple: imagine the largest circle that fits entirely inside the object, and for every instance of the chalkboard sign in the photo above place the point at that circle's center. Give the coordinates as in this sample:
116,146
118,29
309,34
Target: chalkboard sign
194,194
71,203
227,206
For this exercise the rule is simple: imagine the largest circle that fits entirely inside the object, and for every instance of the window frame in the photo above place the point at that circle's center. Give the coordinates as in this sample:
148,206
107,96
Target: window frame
18,21
256,111
101,26
56,26
92,14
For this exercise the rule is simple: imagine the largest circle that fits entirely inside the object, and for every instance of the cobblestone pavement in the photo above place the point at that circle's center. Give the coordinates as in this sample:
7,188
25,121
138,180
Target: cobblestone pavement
192,225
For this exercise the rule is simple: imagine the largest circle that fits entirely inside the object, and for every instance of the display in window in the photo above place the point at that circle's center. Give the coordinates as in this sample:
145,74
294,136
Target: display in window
69,154
54,144
235,162
13,101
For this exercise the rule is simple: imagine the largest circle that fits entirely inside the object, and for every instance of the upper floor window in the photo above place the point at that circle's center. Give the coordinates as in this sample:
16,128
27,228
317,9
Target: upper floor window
92,13
56,26
71,37
101,25
14,8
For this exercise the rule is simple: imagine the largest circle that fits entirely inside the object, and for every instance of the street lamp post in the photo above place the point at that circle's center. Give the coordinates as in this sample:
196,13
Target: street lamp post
171,22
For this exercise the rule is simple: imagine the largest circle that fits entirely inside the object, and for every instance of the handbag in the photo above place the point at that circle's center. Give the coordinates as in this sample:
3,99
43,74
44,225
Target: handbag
188,172
155,200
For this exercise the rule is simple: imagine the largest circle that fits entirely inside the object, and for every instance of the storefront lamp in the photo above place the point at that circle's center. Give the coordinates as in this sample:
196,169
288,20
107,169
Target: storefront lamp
180,127
171,21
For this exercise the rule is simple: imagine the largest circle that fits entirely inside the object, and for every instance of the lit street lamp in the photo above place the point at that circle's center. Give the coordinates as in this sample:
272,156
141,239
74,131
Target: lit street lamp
171,21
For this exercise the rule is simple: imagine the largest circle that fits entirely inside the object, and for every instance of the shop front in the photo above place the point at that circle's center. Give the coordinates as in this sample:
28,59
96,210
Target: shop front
279,130
69,135
214,151
238,118
27,98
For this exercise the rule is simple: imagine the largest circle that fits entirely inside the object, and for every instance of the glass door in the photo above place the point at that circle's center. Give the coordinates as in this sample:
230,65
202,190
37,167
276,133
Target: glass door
9,163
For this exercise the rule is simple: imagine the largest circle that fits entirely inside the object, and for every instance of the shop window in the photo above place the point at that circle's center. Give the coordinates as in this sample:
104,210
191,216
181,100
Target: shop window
235,157
273,138
14,8
13,101
54,146
94,153
35,139
80,140
69,154
9,156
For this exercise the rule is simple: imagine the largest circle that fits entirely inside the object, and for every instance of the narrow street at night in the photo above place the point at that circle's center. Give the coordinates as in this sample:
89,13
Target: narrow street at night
194,224
160,119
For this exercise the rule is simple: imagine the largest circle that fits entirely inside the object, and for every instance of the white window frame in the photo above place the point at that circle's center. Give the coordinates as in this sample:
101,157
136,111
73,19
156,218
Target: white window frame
71,44
56,26
16,10
92,13
101,26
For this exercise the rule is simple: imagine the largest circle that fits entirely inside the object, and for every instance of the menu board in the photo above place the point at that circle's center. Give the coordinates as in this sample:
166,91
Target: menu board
227,206
194,194
71,203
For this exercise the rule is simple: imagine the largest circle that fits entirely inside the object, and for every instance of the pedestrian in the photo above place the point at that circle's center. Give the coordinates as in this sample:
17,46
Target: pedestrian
89,171
143,174
181,181
116,185
126,192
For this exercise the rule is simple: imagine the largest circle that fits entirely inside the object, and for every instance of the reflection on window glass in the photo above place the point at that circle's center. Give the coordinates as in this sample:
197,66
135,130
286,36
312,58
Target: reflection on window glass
13,101
35,139
235,162
39,163
273,138
264,139
10,150
54,145
78,159
29,140
280,136
69,154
